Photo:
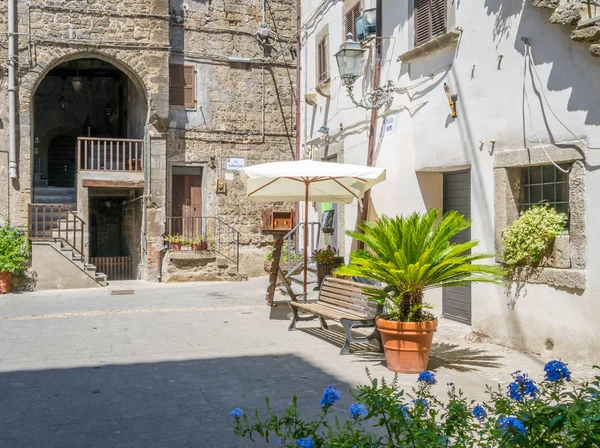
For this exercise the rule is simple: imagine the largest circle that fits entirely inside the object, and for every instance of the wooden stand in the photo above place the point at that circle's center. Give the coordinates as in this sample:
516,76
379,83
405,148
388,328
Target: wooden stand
276,272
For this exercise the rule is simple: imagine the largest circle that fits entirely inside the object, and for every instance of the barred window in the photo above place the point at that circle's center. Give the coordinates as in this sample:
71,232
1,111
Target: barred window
545,184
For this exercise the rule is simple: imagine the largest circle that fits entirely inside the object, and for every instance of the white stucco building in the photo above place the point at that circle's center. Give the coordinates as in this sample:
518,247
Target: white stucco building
527,93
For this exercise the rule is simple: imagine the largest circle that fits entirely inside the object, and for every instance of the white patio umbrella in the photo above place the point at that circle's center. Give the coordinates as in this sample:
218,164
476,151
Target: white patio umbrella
309,181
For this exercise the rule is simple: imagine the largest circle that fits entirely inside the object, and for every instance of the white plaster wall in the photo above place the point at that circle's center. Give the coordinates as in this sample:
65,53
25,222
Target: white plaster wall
491,106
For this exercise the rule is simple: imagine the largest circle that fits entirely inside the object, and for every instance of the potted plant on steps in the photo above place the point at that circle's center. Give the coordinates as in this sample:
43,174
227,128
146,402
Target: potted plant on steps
14,255
327,261
201,242
410,255
175,241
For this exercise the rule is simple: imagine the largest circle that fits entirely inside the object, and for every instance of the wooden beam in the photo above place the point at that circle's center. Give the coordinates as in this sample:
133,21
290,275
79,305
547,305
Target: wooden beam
103,183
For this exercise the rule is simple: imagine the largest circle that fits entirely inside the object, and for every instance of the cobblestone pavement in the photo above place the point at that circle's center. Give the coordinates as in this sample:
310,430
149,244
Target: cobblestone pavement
162,367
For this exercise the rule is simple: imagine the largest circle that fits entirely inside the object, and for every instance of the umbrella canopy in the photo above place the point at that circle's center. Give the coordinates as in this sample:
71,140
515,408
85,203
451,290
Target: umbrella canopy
327,182
309,181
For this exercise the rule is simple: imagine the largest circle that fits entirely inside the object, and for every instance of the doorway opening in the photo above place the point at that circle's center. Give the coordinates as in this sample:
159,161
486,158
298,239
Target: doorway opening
186,202
114,234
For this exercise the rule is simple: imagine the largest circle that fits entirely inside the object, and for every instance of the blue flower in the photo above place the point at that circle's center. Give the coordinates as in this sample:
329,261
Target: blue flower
511,424
521,387
305,442
358,410
421,402
556,371
479,413
427,378
237,412
405,412
330,396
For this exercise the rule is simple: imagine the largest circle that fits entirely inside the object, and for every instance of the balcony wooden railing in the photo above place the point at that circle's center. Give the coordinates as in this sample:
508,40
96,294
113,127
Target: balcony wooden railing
52,222
109,154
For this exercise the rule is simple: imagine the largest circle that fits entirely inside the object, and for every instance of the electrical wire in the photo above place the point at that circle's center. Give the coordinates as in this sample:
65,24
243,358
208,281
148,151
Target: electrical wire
534,70
531,120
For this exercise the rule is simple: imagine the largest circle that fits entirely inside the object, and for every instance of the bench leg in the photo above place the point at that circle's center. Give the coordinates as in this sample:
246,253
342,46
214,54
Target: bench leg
297,318
349,324
323,323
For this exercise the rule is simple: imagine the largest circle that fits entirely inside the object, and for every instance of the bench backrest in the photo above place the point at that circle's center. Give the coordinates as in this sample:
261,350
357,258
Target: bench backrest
348,295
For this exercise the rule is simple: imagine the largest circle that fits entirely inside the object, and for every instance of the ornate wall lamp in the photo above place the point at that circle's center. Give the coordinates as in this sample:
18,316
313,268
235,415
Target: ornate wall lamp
349,61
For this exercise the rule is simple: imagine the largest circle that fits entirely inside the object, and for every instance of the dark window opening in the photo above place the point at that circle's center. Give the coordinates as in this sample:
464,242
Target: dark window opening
545,184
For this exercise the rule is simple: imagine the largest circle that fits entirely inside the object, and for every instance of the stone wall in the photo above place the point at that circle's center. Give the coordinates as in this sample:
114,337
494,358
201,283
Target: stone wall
141,38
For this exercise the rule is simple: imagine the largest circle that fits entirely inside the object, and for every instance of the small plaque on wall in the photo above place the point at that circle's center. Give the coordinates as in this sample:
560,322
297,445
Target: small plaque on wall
236,163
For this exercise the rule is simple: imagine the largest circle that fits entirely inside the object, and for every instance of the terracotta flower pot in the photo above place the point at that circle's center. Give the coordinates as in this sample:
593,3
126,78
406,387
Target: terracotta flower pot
175,246
406,344
5,284
200,246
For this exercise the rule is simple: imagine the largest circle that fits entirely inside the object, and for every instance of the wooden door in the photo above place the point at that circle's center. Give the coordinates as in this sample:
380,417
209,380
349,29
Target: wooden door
61,162
186,200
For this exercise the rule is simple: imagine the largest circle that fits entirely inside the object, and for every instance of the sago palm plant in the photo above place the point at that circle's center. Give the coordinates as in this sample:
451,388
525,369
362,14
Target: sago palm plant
413,254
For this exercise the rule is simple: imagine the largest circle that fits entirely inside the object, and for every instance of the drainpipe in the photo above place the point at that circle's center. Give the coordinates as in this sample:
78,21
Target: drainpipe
376,80
298,77
12,99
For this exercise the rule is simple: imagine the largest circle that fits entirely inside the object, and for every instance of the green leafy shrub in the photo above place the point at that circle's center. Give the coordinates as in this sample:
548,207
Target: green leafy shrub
529,238
15,250
552,413
412,254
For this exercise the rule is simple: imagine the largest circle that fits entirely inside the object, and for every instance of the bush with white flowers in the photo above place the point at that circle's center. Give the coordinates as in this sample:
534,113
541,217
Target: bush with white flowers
553,413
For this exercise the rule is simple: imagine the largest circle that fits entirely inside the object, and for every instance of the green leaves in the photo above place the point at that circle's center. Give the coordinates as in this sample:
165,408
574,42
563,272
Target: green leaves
528,238
14,249
415,253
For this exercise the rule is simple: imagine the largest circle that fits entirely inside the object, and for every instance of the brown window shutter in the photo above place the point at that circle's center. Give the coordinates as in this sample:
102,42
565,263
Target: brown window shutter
175,87
422,21
430,20
438,17
189,93
322,69
351,17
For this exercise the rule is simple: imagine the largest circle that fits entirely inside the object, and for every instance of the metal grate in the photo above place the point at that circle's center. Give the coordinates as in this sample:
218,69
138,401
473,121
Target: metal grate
545,184
115,268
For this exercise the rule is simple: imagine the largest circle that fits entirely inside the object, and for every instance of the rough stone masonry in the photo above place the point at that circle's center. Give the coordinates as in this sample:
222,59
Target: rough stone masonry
244,96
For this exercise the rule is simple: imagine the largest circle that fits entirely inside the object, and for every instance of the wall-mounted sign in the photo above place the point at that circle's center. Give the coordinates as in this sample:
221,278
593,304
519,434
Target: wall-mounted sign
391,124
228,176
236,163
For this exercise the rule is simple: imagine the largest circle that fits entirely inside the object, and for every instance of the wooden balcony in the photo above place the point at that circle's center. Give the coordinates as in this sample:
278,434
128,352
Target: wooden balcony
109,154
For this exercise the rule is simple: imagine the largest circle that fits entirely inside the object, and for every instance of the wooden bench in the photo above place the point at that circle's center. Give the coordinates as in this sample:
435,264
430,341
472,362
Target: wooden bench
345,302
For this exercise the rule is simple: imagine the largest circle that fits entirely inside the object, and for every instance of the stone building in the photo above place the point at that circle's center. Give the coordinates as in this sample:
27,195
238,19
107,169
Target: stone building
130,122
523,80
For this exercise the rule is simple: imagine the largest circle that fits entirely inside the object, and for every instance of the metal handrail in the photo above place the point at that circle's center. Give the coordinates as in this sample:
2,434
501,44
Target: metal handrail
43,214
224,238
292,238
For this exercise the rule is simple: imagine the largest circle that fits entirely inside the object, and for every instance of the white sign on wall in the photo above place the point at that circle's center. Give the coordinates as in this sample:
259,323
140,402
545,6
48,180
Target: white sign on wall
391,124
236,163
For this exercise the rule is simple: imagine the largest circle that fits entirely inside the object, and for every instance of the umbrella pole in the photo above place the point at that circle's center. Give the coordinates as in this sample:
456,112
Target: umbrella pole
306,241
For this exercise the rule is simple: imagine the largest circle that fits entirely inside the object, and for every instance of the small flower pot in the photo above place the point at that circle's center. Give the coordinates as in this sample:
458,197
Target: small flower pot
200,246
5,283
406,344
175,246
323,270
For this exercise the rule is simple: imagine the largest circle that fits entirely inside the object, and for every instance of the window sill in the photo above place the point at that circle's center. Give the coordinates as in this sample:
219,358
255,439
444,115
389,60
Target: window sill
444,41
324,88
558,278
185,108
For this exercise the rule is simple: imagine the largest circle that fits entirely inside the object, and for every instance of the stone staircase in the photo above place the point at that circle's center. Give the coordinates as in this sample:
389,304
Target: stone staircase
57,227
76,259
582,17
297,281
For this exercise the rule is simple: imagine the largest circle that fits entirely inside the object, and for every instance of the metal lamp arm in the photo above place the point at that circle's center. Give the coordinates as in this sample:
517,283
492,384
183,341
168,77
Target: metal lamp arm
375,99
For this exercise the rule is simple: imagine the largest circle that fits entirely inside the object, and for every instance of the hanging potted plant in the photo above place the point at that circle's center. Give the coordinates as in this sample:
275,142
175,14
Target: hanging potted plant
14,255
327,261
175,241
410,255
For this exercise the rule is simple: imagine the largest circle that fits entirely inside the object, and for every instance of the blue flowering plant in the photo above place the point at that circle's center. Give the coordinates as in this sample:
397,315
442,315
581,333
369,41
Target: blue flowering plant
552,413
15,250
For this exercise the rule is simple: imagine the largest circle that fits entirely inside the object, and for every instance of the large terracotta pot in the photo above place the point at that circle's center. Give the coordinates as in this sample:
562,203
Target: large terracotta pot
200,246
406,344
5,284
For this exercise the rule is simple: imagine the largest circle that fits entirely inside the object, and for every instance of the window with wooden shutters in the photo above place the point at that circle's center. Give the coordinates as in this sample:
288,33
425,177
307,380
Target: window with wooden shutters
182,85
322,61
350,21
430,20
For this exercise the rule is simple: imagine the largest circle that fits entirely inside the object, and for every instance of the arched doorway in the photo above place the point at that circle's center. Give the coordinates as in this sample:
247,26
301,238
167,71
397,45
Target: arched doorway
61,162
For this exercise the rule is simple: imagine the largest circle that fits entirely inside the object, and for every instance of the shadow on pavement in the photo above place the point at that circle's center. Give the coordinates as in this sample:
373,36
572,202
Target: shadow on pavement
162,404
460,358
